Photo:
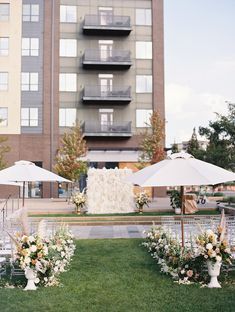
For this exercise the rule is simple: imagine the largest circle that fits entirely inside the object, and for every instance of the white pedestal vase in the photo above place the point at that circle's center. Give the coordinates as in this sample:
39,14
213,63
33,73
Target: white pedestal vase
31,275
214,272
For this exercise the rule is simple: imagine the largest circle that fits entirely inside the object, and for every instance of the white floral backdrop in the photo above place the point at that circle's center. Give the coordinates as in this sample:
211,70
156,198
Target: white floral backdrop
109,192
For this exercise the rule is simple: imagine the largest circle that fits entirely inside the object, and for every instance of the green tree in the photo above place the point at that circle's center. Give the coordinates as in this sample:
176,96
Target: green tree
174,148
72,148
193,147
221,136
152,145
3,150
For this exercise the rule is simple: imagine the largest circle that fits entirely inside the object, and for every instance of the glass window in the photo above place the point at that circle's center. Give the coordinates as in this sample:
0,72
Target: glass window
30,46
4,11
143,117
67,117
29,81
143,50
144,84
30,12
68,14
68,47
29,117
143,17
3,116
68,82
3,81
4,46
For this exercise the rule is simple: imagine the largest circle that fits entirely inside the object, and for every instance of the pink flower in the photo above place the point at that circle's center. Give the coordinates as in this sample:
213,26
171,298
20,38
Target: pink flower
189,273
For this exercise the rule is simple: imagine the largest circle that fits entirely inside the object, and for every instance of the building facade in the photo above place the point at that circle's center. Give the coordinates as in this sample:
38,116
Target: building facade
99,63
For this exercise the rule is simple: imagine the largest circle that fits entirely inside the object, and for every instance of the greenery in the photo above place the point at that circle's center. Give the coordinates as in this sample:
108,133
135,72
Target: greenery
72,147
221,136
117,276
152,145
3,150
193,147
131,214
175,199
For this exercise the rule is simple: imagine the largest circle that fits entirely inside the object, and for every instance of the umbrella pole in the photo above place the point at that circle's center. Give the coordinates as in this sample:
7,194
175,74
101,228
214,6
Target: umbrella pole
182,215
23,194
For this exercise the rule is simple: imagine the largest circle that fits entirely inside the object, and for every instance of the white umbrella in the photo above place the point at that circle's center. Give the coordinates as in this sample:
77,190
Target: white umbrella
181,169
26,171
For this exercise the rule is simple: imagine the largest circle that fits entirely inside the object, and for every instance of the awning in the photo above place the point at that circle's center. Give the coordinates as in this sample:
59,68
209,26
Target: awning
112,156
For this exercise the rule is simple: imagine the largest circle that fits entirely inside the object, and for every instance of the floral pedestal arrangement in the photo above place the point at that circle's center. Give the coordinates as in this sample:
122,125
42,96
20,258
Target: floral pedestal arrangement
31,276
214,272
79,200
140,200
141,208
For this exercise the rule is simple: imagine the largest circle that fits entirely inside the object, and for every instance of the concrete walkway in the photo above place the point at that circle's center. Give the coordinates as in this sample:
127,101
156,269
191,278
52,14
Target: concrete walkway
109,231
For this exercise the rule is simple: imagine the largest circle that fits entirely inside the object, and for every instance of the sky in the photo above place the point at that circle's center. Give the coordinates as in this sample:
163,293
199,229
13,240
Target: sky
199,63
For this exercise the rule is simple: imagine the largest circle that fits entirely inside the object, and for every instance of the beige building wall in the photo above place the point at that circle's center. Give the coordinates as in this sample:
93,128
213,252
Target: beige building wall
12,64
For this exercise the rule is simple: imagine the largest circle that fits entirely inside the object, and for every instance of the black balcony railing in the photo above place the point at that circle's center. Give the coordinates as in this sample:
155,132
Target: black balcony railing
106,59
107,94
110,24
115,129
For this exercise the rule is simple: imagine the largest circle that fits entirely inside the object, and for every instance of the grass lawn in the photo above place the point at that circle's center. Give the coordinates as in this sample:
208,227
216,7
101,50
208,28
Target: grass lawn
117,275
160,213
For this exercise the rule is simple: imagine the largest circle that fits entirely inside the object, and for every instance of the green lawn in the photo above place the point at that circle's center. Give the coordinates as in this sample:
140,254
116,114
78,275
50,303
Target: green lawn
117,275
160,213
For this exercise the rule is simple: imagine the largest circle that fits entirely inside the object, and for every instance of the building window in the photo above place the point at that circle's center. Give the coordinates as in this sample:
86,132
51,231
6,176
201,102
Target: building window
29,81
67,117
3,81
143,17
144,84
30,12
29,117
30,46
68,14
3,116
68,47
4,46
4,12
143,50
105,16
143,118
68,82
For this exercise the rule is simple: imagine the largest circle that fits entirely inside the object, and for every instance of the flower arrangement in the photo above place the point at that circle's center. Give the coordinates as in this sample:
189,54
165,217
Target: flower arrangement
213,246
187,265
181,264
79,199
142,199
47,257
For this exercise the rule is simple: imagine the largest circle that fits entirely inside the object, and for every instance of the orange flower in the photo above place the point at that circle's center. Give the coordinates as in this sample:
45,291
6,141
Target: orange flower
33,261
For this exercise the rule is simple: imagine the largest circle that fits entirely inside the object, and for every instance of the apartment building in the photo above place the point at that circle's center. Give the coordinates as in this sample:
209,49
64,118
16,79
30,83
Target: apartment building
99,63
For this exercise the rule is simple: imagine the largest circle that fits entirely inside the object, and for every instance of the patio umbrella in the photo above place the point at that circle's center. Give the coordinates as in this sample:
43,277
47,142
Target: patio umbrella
181,169
26,171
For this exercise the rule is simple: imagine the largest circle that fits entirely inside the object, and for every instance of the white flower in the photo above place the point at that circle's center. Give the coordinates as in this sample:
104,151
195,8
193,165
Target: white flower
218,258
27,260
31,239
33,248
209,246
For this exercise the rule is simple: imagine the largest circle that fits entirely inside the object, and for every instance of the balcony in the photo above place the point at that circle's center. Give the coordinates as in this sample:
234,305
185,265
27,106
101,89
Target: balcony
104,59
107,25
107,94
116,129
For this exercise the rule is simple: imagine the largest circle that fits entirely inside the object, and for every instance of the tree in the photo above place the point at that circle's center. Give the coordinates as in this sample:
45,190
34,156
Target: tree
3,150
193,147
221,136
152,145
72,147
174,148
